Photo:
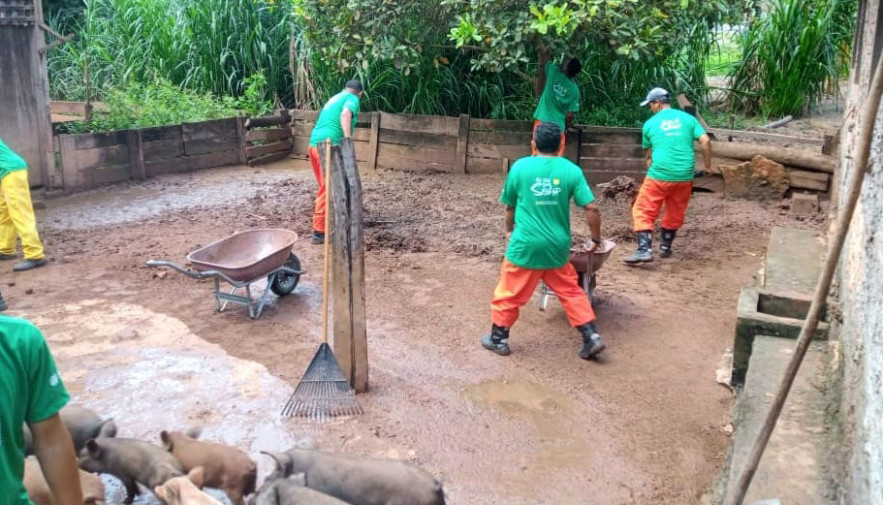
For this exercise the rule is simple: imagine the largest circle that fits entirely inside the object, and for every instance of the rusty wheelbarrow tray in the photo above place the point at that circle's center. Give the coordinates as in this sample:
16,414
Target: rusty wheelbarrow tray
242,259
587,266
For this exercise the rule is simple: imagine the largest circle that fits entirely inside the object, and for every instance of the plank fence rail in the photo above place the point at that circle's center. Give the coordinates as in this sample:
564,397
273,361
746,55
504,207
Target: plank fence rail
267,139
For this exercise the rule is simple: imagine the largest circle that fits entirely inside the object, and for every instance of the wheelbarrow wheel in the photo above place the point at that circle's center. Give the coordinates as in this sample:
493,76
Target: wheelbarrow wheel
284,283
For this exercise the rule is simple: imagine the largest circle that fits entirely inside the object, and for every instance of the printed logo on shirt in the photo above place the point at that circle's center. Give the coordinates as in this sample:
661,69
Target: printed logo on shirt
544,186
560,91
670,126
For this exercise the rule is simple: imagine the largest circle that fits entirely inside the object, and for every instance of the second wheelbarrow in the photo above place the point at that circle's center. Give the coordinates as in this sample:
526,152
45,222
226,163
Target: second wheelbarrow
587,266
241,260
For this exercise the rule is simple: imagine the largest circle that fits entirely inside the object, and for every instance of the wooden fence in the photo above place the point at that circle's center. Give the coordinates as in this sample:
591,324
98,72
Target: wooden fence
267,139
89,160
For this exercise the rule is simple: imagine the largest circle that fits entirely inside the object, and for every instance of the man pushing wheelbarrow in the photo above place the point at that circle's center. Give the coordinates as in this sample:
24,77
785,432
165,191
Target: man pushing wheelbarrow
537,196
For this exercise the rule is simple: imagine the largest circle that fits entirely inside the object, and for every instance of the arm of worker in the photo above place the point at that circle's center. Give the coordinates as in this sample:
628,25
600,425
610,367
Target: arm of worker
346,122
55,451
648,157
705,142
510,219
593,218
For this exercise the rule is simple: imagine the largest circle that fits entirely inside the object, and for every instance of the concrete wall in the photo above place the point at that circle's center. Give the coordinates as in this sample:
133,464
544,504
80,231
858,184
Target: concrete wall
24,96
861,287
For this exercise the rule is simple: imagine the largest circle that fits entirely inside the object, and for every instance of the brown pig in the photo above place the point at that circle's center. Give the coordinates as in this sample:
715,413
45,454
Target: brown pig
40,494
359,481
292,491
82,424
225,467
185,490
131,461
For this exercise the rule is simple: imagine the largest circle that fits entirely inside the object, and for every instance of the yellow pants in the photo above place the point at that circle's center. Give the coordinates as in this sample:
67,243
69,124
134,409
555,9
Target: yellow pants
17,216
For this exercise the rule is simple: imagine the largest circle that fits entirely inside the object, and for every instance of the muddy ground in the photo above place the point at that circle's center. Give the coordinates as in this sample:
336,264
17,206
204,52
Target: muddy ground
647,424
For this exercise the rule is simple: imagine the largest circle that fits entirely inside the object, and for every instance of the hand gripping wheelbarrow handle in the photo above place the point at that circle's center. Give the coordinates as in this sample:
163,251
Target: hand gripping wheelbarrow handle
205,274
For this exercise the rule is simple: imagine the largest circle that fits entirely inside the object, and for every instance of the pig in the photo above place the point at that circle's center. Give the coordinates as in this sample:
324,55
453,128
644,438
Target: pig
358,481
292,491
185,490
40,494
82,424
131,461
225,467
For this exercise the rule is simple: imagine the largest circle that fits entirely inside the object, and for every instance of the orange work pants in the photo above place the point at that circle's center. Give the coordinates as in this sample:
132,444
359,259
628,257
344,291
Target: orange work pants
536,122
319,211
517,285
653,196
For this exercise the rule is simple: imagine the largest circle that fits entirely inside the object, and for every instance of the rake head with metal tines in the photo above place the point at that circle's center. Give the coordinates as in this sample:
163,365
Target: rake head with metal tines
323,391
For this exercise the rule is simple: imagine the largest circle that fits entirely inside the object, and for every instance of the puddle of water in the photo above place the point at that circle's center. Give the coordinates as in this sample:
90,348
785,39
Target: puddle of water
517,396
150,373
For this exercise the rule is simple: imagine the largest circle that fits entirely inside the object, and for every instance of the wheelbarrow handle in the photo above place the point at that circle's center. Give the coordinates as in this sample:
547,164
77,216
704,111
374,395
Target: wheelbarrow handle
186,271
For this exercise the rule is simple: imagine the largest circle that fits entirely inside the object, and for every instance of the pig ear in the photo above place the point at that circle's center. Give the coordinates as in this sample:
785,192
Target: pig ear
166,440
280,458
93,448
197,476
108,429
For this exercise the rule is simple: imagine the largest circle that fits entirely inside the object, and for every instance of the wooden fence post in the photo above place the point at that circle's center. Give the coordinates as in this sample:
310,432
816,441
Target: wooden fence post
136,155
348,267
241,135
69,162
462,144
374,140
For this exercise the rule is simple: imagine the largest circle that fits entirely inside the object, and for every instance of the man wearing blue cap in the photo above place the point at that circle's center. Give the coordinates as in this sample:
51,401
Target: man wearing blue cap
668,142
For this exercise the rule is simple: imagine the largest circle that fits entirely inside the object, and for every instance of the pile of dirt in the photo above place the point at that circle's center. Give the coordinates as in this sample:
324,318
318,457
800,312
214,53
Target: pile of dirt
621,189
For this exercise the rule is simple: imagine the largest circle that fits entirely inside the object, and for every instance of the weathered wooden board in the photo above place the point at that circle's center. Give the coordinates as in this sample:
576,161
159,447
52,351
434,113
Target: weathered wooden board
496,138
613,164
261,122
258,151
95,140
209,129
163,149
103,157
512,152
417,153
158,133
263,160
189,163
426,124
723,135
611,137
599,176
210,145
611,150
412,165
808,180
304,115
269,134
499,125
486,165
417,139
108,175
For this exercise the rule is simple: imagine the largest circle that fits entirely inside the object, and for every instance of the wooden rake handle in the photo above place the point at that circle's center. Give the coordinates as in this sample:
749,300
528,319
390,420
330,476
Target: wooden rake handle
326,269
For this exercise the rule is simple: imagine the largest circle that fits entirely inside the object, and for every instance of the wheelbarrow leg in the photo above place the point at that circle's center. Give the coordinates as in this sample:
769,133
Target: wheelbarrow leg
544,296
263,301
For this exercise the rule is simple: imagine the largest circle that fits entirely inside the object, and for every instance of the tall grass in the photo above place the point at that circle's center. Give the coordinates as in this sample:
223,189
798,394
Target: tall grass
204,45
792,56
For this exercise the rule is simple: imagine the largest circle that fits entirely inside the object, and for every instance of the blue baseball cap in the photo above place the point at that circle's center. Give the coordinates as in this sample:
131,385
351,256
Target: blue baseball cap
656,95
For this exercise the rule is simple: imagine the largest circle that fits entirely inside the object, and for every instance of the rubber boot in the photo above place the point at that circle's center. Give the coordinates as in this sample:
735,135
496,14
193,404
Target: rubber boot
592,342
644,253
497,340
3,305
668,236
317,237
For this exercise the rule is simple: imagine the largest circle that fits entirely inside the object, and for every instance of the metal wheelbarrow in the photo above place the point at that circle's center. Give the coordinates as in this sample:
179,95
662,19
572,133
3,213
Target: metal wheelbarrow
587,266
242,259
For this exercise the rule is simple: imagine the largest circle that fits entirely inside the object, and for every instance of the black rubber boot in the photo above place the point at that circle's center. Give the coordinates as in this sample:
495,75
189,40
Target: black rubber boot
668,236
317,237
592,342
644,253
497,340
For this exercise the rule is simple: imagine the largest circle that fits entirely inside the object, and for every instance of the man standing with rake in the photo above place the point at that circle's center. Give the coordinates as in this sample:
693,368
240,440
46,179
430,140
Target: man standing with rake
537,196
337,120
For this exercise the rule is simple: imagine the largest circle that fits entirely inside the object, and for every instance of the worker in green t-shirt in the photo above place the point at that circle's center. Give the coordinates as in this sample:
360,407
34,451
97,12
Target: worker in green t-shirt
337,120
31,392
17,213
537,195
668,139
560,97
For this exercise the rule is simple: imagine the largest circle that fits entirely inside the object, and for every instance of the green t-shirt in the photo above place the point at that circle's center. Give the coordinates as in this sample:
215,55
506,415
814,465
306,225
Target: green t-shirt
670,133
540,189
10,161
560,96
30,391
328,125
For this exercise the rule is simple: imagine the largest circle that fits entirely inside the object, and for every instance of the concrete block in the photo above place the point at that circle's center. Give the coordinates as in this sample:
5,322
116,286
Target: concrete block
793,261
764,312
803,204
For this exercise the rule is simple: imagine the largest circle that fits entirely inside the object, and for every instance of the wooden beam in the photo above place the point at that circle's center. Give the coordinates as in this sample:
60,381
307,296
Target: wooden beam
261,122
242,137
462,144
374,140
784,155
136,156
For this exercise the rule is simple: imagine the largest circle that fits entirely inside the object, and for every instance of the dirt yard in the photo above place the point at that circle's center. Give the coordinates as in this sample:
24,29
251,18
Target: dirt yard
647,424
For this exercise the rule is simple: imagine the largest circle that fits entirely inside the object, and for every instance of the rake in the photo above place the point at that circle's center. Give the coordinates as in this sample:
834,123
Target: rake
323,391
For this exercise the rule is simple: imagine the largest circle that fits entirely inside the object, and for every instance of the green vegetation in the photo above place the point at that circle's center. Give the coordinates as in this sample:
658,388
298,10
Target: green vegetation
446,57
793,56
